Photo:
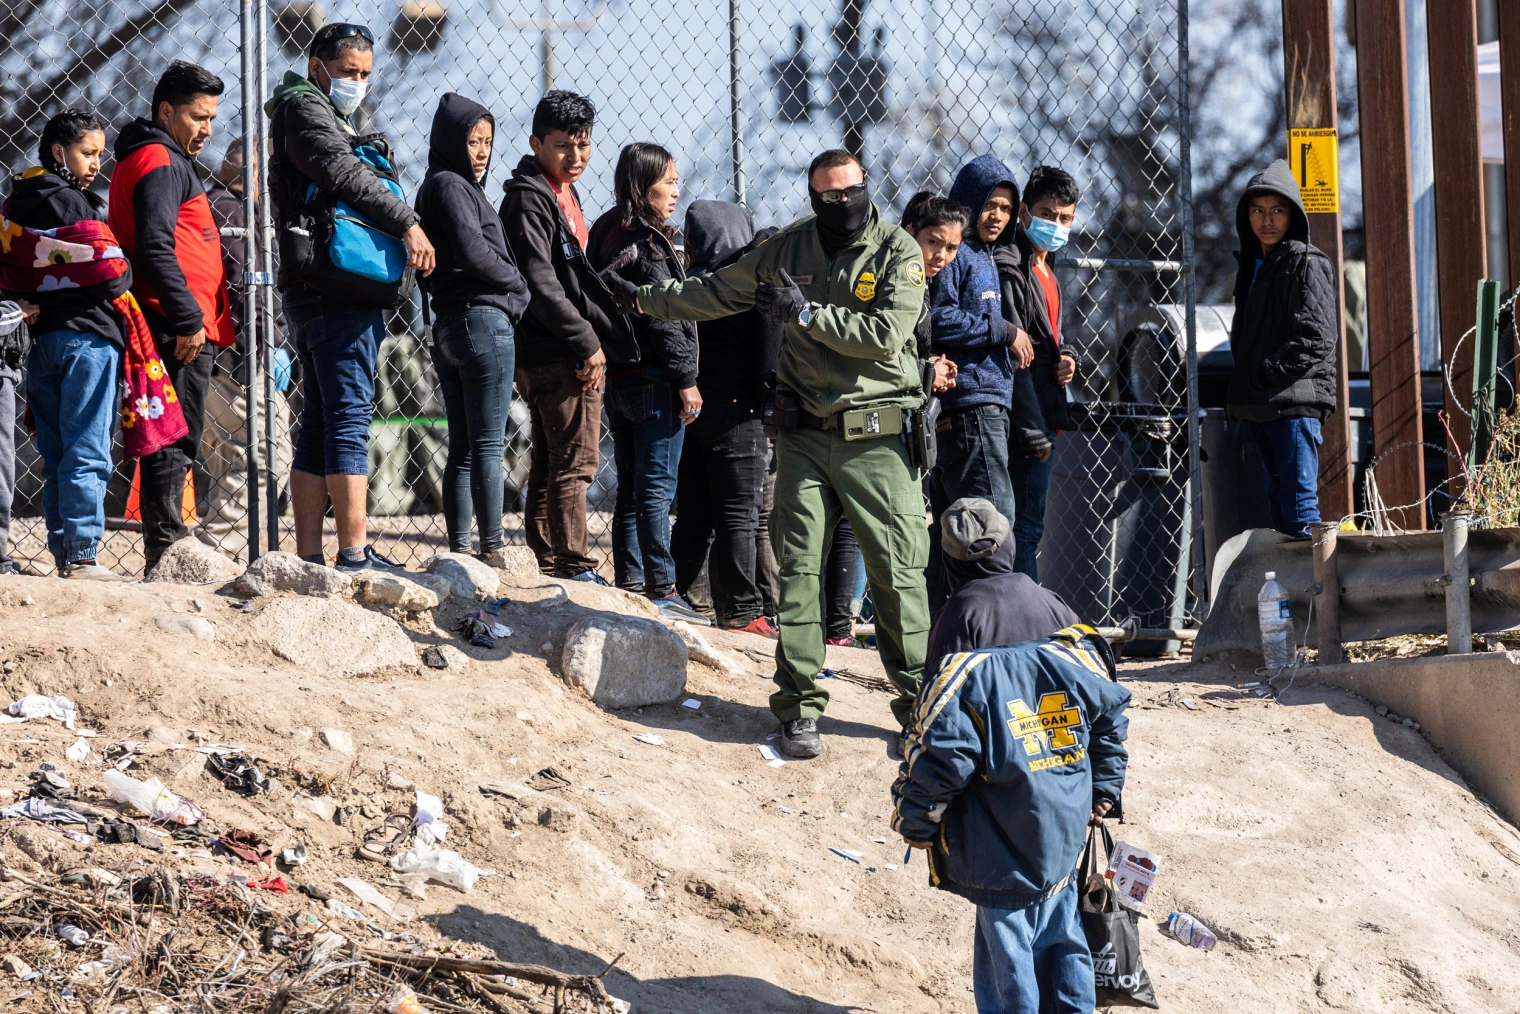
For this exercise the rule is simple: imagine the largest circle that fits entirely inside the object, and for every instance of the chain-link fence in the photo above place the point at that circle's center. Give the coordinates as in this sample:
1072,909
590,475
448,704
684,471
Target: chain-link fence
744,93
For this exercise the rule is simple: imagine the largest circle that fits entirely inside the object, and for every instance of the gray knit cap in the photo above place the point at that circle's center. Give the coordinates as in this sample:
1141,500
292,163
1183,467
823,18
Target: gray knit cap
972,529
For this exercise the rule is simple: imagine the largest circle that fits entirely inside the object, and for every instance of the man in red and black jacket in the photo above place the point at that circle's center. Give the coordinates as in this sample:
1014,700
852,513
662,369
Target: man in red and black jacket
160,213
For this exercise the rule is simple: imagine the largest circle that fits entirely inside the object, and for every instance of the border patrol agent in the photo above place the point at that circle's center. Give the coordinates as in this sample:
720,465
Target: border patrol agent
848,286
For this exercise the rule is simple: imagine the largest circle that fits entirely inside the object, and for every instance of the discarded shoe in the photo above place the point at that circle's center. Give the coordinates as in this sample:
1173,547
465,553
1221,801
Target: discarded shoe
800,740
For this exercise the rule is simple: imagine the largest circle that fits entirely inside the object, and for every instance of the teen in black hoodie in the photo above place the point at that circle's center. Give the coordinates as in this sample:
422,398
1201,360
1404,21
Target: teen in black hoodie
1283,339
478,296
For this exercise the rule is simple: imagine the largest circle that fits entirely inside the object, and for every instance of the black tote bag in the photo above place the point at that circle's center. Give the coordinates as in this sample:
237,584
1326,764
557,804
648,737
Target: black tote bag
1113,934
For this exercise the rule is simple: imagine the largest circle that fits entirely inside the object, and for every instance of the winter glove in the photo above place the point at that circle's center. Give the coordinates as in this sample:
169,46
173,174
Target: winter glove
779,304
625,294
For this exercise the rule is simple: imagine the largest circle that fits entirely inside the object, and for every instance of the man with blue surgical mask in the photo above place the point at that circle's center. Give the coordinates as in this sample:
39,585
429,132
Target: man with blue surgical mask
1032,295
336,337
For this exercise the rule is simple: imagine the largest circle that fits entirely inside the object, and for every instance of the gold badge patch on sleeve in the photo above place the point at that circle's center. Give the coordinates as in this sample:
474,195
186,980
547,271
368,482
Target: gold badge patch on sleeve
865,286
916,272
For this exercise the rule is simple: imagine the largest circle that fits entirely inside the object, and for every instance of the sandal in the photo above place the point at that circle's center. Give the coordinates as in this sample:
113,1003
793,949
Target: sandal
377,848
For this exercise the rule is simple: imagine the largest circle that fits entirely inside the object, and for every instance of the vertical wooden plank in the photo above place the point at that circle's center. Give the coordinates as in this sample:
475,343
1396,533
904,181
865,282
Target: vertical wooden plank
1309,73
1509,89
1393,346
1461,248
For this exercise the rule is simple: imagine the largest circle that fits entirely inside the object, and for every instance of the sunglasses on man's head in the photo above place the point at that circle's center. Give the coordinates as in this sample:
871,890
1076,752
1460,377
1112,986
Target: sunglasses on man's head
329,34
854,193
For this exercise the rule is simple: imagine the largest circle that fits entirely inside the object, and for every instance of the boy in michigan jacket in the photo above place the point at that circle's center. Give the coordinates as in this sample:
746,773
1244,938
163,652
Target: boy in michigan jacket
1010,753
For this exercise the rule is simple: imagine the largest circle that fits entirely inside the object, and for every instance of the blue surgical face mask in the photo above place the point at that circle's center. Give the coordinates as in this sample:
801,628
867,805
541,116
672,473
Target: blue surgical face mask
1047,235
346,94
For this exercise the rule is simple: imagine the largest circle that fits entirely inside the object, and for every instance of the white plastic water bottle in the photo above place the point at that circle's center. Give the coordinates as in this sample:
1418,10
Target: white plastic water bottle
1275,615
1190,931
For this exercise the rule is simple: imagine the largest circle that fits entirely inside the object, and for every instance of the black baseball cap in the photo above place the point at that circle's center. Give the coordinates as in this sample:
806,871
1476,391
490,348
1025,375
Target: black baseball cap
330,33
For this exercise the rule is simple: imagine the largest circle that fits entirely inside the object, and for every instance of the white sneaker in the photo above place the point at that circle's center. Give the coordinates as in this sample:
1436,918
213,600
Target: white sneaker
89,570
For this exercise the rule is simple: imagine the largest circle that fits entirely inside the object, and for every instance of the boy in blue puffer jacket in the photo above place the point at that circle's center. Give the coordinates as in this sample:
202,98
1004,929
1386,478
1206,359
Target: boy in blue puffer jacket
1011,753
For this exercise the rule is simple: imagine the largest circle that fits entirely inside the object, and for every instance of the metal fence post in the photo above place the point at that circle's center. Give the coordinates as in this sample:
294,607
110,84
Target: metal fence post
266,261
1458,605
736,100
251,274
1190,300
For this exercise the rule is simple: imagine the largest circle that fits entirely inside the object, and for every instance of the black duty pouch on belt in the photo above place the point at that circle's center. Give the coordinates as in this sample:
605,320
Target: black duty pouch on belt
922,435
781,410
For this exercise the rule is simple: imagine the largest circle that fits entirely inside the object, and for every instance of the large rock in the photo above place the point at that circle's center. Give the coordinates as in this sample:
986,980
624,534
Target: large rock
624,661
277,572
470,577
392,591
191,561
334,637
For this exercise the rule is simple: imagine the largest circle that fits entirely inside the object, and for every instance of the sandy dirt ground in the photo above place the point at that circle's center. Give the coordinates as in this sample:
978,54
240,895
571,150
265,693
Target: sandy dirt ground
1343,865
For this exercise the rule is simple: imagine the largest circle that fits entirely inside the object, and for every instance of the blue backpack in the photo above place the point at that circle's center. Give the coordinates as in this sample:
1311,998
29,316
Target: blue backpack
338,251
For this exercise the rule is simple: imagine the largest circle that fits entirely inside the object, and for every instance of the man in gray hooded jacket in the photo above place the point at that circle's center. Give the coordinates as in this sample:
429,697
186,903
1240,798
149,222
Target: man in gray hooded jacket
1284,340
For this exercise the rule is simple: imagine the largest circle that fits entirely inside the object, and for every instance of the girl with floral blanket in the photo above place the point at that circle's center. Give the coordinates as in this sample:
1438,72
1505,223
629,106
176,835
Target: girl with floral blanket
59,260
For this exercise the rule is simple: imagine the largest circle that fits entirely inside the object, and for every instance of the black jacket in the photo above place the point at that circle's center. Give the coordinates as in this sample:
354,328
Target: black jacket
311,145
738,353
991,604
475,266
1284,335
1024,297
43,200
669,345
570,310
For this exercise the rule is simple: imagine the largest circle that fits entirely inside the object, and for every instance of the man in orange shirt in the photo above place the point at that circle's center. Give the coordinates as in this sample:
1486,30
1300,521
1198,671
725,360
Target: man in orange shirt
1028,282
161,215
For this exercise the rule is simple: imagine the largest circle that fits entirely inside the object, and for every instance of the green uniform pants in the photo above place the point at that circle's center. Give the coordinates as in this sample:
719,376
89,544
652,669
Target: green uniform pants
818,474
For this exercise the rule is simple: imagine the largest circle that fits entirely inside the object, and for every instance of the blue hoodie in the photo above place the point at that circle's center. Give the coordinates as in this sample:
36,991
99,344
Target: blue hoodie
966,305
1007,752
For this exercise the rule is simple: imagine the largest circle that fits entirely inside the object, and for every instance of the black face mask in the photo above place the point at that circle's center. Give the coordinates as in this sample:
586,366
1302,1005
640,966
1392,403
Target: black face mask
840,224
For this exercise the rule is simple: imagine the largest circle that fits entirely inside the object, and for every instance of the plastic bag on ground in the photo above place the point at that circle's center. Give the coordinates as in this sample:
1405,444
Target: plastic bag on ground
442,866
151,797
367,893
59,708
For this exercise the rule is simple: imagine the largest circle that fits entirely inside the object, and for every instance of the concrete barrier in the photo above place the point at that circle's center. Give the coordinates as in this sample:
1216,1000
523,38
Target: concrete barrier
1469,706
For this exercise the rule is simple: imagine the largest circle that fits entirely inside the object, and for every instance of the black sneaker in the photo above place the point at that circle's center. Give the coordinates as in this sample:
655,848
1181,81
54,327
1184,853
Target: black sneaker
371,561
799,738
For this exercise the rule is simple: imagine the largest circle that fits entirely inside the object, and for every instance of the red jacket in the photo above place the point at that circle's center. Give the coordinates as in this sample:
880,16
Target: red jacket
160,214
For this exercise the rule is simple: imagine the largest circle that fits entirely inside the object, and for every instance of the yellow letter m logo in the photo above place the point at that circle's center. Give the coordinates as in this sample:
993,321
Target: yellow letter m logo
1046,729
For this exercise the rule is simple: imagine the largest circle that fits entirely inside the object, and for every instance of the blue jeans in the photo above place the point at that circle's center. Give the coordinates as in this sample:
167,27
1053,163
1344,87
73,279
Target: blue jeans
1033,960
1290,450
474,355
647,435
1031,484
337,345
71,381
973,462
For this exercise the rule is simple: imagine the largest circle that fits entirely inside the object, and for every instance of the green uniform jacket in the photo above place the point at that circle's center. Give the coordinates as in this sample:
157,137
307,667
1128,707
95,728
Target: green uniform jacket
858,350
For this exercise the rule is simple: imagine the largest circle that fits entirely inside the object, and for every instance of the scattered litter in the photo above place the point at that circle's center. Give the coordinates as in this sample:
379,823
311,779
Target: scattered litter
778,762
422,863
73,934
151,798
430,812
650,738
842,854
879,841
692,703
275,884
774,735
242,605
500,630
237,773
547,780
87,733
367,893
1187,702
293,857
79,751
788,809
1188,930
40,809
58,708
221,749
1248,686
767,751
343,911
247,846
48,782
124,832
478,629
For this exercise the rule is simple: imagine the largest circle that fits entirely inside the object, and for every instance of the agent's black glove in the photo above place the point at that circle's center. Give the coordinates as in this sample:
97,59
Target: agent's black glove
624,293
779,304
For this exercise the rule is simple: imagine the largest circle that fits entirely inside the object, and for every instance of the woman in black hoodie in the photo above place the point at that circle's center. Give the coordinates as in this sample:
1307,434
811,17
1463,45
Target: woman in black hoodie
650,402
74,366
478,297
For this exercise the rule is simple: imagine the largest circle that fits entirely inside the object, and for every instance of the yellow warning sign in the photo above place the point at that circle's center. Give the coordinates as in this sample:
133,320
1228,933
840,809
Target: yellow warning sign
1314,154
